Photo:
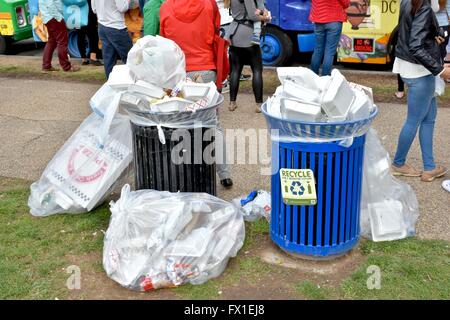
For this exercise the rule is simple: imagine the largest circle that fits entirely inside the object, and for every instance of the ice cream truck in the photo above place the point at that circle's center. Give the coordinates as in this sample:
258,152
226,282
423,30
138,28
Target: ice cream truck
15,24
367,35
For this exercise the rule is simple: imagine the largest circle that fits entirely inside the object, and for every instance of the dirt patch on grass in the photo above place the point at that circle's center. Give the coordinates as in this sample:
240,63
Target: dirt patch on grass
7,183
95,284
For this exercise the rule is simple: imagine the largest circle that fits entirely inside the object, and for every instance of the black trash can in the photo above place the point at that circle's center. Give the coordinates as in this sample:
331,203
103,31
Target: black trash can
176,161
155,168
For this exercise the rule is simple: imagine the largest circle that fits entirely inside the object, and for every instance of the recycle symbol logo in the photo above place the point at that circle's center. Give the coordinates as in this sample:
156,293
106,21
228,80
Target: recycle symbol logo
297,189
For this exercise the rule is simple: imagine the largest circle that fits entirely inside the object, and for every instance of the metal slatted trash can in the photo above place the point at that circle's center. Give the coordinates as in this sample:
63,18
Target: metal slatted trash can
158,146
328,226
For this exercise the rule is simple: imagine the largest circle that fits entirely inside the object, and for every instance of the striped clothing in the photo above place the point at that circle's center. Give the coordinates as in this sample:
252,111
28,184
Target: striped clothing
325,11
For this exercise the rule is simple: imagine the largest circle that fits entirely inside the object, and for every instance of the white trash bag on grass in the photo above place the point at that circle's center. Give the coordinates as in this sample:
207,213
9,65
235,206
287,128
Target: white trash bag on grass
85,169
389,207
158,239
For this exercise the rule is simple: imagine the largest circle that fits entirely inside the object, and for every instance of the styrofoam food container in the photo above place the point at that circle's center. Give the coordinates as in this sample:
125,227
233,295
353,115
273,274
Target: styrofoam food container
298,92
338,97
300,75
368,91
120,77
297,110
147,89
386,221
195,91
360,108
170,105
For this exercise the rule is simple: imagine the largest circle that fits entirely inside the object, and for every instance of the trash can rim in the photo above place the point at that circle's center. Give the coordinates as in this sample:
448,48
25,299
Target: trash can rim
165,114
372,116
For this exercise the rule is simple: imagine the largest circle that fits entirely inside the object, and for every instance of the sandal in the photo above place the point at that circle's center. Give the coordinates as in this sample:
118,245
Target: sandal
232,106
399,95
73,69
51,69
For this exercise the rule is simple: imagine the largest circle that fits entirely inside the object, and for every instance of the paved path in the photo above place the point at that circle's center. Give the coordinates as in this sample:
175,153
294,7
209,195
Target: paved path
37,116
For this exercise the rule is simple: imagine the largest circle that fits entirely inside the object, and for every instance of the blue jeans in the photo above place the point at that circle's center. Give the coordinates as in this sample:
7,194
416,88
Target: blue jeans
115,44
327,40
422,110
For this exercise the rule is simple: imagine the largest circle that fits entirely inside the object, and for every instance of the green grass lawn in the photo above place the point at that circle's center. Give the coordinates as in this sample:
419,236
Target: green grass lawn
34,253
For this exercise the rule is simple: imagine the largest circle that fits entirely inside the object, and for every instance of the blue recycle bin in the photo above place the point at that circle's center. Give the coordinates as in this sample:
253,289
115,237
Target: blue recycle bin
329,227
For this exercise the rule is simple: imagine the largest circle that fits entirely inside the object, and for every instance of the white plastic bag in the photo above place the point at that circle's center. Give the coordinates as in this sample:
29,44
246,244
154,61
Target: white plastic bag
440,86
85,169
389,207
255,205
158,61
160,239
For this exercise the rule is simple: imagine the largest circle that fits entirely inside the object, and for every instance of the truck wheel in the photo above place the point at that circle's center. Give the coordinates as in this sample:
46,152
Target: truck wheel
2,45
73,45
276,47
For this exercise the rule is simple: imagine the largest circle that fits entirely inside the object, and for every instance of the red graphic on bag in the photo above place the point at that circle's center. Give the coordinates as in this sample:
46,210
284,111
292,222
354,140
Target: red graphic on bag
79,157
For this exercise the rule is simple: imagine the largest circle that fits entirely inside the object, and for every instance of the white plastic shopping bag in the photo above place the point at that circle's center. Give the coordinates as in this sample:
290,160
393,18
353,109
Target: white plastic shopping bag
158,61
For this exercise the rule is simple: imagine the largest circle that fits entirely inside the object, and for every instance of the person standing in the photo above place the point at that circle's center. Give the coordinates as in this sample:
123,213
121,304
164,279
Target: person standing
328,17
443,19
91,33
52,17
243,50
192,25
418,61
151,17
112,31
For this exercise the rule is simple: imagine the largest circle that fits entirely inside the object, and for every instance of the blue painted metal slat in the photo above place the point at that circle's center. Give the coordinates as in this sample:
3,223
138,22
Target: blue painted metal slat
282,205
337,180
355,194
296,209
350,188
343,197
288,208
303,225
320,201
312,165
328,204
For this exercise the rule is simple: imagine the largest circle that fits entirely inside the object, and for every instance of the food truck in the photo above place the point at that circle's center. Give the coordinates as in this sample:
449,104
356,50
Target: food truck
15,23
367,34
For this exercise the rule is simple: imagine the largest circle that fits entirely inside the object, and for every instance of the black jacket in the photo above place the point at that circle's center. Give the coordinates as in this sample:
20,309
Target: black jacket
416,37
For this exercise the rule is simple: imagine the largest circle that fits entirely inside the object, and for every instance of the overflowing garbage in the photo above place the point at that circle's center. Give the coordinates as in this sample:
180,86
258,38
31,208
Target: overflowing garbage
389,207
160,239
88,166
85,169
255,205
153,83
306,97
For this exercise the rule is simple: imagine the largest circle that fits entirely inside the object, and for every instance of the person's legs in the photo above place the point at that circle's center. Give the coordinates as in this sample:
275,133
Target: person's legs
420,97
236,70
62,42
400,88
81,41
109,53
333,35
426,132
50,46
257,69
122,43
317,57
223,169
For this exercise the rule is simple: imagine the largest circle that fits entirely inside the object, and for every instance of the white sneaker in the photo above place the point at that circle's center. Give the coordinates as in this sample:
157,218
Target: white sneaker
446,185
225,87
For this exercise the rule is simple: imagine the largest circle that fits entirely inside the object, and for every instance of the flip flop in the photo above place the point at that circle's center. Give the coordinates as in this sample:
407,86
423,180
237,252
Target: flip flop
446,185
